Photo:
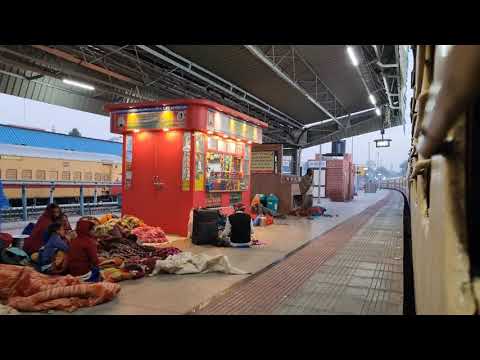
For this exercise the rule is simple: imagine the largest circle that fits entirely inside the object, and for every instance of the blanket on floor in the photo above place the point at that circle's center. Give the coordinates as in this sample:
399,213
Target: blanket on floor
7,310
188,263
24,289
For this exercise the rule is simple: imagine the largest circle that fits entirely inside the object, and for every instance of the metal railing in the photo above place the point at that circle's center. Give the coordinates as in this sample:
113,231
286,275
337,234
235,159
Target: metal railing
52,185
399,184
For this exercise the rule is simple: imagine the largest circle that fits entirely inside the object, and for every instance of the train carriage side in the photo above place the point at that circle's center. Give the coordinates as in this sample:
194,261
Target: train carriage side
40,167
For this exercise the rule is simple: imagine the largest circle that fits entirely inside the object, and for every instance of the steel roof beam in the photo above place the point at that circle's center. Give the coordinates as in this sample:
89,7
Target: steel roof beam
277,70
231,86
39,70
68,57
225,86
326,121
359,128
385,82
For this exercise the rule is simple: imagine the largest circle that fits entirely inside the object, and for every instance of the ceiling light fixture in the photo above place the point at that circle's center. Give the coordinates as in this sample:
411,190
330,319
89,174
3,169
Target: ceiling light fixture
372,99
78,84
353,58
378,112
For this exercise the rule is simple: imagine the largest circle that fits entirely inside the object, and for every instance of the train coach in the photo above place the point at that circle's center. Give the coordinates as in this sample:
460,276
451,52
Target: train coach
50,165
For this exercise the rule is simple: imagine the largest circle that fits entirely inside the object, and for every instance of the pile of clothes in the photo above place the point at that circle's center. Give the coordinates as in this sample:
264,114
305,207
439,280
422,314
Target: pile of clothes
123,251
24,289
149,234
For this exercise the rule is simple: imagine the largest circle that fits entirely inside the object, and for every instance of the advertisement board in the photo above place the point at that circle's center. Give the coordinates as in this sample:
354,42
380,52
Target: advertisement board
263,162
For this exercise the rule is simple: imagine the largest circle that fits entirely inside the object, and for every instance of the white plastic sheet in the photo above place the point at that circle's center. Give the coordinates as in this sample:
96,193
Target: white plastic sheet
188,263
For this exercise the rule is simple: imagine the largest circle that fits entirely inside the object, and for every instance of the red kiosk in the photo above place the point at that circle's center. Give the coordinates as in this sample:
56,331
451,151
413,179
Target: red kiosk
183,154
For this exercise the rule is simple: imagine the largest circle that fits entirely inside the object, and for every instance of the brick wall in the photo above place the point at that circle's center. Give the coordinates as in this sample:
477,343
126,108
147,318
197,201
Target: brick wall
340,179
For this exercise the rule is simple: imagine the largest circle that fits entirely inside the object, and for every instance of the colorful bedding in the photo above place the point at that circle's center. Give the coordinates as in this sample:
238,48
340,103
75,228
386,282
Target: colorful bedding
149,234
24,289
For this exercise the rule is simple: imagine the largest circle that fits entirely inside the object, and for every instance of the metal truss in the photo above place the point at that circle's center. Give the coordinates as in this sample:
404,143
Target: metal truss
381,80
132,73
288,63
137,73
368,125
182,65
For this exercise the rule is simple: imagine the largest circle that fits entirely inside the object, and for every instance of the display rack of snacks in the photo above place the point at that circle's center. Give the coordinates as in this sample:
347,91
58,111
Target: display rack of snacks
225,165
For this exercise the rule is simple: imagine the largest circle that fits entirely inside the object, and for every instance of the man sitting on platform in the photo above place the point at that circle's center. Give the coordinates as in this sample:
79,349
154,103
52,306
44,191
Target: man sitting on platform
239,228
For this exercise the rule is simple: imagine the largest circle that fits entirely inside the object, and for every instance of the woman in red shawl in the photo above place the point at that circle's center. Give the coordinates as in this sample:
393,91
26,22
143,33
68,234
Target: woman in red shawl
52,214
82,256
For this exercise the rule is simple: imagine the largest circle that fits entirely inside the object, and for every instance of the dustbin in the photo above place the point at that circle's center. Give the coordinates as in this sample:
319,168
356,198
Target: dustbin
272,203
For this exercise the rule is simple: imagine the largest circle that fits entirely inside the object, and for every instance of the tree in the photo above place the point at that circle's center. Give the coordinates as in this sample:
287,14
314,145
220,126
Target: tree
75,132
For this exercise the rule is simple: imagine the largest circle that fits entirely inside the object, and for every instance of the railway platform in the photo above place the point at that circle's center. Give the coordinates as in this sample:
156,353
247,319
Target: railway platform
346,264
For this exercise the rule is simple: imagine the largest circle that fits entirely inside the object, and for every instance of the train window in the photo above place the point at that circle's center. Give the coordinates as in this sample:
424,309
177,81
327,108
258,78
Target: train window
11,174
77,176
106,177
88,176
98,177
26,174
40,175
53,175
66,175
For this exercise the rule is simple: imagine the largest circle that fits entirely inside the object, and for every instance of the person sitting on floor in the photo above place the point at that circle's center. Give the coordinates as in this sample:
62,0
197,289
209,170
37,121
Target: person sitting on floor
51,256
239,228
82,256
39,235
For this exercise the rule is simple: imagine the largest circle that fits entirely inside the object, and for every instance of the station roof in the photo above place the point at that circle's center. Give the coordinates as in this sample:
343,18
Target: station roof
15,135
287,86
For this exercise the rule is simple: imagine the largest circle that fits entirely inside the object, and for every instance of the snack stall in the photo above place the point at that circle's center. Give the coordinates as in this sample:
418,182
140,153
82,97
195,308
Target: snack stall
183,154
267,177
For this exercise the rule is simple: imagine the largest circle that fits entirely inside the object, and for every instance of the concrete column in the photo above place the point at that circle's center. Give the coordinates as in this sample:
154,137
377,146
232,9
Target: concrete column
24,202
82,205
52,189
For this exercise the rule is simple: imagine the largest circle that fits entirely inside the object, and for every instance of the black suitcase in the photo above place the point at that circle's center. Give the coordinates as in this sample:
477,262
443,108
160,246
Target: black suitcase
205,226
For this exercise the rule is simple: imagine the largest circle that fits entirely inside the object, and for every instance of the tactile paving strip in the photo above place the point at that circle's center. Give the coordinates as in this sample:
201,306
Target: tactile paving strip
263,292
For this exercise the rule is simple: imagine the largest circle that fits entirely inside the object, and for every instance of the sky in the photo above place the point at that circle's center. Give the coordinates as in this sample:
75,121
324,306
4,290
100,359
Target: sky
25,112
391,156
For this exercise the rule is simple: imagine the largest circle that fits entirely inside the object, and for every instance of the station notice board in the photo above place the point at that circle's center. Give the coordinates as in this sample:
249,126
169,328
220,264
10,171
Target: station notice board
263,162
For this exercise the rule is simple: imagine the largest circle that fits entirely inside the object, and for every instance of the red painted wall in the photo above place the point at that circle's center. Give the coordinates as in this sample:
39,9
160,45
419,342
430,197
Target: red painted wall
159,154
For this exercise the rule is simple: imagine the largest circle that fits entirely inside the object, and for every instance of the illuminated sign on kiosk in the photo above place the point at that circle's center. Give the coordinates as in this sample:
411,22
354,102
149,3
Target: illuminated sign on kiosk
220,122
163,117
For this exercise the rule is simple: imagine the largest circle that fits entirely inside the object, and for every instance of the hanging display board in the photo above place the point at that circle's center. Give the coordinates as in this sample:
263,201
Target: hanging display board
162,117
263,162
233,127
128,160
186,161
199,161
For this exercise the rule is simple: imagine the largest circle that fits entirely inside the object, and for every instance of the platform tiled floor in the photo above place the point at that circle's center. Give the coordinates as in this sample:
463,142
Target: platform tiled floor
365,277
356,268
179,294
